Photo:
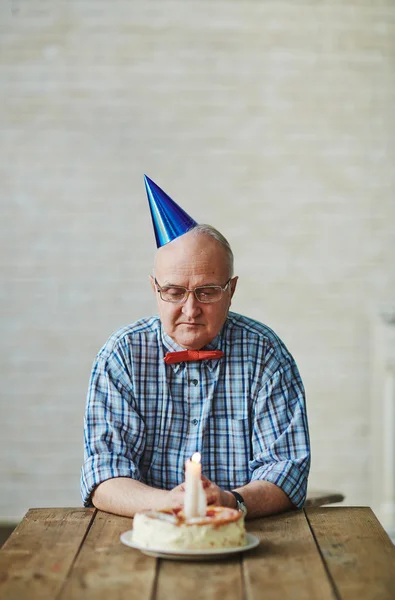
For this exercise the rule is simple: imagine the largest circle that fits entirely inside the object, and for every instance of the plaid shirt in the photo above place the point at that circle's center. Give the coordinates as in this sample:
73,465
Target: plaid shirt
245,413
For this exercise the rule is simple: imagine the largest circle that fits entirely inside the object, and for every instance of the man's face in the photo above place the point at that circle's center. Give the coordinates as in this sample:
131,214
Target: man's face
190,261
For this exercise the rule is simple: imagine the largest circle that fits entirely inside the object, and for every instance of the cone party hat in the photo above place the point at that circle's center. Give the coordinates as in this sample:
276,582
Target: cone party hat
169,220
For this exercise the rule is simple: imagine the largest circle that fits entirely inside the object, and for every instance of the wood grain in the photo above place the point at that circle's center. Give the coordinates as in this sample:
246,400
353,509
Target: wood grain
358,553
287,563
207,580
337,553
105,568
36,558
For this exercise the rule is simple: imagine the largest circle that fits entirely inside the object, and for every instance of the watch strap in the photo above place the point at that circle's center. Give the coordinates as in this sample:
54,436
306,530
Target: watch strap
239,498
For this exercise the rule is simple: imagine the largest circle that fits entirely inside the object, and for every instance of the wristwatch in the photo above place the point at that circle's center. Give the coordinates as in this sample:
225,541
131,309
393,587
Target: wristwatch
241,505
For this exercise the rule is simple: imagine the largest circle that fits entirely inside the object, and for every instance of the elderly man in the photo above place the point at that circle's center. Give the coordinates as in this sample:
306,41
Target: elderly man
150,408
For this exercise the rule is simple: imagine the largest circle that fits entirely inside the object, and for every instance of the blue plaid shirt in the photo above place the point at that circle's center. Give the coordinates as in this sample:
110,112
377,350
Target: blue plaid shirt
245,413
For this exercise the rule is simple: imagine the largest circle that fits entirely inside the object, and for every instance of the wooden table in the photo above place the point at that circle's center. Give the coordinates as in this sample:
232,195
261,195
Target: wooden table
317,553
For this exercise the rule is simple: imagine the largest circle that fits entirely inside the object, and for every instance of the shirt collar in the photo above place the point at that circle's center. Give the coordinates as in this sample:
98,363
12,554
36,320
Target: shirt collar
171,346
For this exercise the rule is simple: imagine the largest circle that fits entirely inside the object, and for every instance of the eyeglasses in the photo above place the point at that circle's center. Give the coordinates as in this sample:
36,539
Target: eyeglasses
203,293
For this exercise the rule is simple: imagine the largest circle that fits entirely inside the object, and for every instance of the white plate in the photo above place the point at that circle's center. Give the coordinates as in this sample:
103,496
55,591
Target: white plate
127,539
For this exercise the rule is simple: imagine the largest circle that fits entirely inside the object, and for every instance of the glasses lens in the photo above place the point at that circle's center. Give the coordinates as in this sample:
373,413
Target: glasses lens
173,294
208,294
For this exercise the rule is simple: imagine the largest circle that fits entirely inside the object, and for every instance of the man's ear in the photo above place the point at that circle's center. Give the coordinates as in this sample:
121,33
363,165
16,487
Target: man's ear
233,285
152,282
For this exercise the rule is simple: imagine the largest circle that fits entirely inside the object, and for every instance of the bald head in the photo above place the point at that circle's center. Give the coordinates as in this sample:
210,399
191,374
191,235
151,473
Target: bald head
200,241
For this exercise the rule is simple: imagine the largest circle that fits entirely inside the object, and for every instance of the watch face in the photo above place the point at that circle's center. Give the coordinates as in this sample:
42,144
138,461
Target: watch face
242,508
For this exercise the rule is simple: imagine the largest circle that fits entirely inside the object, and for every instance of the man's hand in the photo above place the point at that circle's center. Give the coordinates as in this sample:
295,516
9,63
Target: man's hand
215,495
175,497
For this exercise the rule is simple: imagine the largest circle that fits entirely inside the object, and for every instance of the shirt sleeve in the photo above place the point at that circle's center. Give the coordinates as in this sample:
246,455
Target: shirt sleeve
280,440
113,430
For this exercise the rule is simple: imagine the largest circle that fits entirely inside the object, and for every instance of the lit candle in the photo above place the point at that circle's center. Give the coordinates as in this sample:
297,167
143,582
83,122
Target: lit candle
195,504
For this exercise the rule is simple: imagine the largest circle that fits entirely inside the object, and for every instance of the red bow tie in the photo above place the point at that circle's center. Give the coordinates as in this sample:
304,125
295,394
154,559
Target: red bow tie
176,357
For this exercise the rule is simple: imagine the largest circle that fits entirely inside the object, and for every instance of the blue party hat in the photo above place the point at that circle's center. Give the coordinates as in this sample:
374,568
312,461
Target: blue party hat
169,220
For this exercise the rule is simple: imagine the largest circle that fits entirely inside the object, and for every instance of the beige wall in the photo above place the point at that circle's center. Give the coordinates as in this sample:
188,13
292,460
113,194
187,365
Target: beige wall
273,121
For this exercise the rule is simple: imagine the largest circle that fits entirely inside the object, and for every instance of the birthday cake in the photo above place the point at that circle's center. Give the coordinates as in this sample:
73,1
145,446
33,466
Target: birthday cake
222,527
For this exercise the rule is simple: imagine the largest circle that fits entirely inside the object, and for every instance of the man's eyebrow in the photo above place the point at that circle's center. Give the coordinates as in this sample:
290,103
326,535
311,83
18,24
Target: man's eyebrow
169,284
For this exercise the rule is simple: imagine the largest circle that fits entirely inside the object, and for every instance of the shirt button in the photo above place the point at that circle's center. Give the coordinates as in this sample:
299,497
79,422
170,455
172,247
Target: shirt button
195,422
194,381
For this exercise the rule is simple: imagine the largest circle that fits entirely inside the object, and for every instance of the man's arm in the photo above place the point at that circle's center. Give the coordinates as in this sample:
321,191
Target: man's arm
114,437
124,496
262,498
280,442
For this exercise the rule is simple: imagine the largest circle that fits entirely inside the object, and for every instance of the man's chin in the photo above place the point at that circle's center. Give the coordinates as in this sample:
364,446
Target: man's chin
191,342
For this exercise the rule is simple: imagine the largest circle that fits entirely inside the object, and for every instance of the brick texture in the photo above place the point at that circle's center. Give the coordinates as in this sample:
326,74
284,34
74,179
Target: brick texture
273,121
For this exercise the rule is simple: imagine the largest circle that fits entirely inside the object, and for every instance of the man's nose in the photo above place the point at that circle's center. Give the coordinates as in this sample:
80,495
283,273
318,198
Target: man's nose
191,306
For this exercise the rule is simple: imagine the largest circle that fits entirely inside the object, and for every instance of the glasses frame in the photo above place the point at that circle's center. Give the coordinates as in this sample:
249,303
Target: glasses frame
188,291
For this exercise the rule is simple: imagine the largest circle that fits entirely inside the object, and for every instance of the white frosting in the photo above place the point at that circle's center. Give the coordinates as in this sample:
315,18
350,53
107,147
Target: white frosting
221,528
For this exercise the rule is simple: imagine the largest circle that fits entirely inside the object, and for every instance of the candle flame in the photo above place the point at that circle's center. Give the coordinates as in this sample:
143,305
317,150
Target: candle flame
196,457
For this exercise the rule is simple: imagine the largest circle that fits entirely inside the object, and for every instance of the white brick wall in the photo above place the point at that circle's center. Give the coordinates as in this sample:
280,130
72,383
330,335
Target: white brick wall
273,121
